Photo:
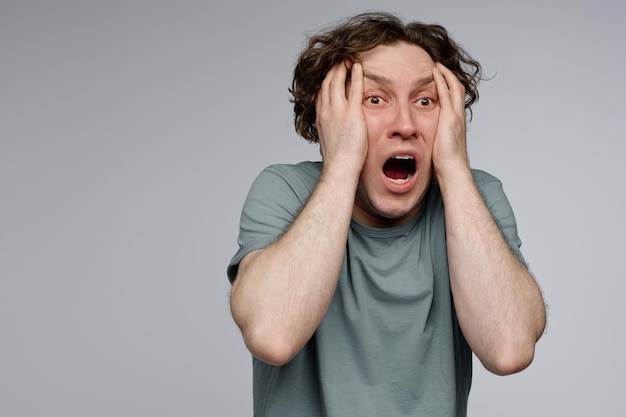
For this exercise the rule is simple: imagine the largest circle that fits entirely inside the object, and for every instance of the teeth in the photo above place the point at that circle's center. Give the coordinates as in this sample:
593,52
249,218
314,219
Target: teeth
402,157
401,181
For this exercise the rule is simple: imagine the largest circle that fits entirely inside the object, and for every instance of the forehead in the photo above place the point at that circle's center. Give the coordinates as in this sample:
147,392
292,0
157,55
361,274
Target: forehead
397,58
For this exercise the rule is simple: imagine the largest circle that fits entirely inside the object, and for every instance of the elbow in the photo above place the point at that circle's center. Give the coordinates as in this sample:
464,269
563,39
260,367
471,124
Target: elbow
264,338
515,350
268,339
511,360
508,366
268,347
265,341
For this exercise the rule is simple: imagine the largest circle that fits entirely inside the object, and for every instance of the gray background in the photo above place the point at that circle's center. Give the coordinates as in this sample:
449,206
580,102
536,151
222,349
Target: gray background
130,132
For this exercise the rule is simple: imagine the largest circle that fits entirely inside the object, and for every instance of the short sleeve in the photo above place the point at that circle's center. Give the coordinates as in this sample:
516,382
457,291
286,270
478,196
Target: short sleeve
498,203
273,202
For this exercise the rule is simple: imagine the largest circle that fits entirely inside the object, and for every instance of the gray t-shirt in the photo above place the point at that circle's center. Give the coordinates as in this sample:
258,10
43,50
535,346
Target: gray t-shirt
390,343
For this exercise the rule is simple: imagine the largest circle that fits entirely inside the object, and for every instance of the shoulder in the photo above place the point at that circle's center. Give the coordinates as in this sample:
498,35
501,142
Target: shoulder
305,171
284,183
482,178
489,186
300,178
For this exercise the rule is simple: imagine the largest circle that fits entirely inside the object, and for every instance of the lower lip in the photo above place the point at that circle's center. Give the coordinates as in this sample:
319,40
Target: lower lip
399,188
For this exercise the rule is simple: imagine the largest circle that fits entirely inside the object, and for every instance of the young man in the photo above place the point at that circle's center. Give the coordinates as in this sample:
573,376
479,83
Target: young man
364,282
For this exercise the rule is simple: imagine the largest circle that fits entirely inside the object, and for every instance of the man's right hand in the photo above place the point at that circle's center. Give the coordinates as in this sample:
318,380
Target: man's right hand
340,120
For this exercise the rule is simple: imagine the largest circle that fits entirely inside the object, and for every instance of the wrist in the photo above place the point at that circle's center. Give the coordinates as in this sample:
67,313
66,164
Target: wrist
342,169
454,176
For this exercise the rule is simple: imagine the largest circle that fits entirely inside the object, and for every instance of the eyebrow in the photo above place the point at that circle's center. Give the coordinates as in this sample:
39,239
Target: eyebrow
381,79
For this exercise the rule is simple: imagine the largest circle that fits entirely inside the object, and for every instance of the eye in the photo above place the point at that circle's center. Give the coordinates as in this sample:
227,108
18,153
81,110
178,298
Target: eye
373,100
425,102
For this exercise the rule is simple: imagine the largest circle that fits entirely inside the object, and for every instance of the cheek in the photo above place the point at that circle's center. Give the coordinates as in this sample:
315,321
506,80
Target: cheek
375,126
376,133
429,128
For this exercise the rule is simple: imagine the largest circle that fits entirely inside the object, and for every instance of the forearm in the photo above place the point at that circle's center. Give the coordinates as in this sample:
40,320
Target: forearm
498,303
282,292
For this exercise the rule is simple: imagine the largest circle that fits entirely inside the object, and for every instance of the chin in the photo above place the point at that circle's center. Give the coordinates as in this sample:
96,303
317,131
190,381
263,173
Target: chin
387,215
380,207
399,215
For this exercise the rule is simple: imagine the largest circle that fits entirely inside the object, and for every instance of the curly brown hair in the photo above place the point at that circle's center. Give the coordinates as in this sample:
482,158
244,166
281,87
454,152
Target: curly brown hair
364,32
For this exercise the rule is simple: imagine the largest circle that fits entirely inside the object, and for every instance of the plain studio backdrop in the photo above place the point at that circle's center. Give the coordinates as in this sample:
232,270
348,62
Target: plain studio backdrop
130,132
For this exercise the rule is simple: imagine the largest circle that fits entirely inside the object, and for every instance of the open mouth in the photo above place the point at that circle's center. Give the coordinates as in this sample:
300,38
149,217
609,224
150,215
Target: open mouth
400,168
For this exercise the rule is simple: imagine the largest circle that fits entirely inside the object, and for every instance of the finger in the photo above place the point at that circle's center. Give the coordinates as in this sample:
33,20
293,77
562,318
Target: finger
355,95
322,101
442,88
456,90
338,83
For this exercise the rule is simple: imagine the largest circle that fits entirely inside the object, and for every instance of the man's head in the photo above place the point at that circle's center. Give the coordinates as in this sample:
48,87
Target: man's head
361,33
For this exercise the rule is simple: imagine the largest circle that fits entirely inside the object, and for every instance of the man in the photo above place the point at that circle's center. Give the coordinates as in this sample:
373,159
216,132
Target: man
364,282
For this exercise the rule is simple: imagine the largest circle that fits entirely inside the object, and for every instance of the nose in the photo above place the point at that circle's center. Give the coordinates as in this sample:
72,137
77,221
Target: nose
404,124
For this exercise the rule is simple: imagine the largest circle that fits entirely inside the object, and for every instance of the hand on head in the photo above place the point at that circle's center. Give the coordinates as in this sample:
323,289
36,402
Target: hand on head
340,121
449,149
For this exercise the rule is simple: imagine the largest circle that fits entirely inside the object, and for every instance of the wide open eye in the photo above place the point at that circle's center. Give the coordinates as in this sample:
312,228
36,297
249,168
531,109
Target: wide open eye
425,102
373,100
